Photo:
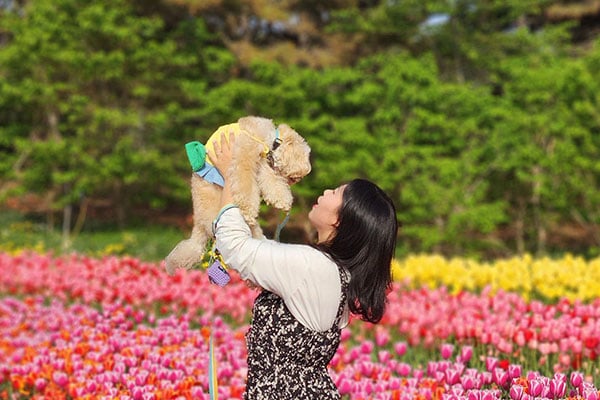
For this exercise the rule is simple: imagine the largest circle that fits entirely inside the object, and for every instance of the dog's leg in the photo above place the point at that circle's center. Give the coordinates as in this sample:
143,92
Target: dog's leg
189,252
243,174
256,230
274,188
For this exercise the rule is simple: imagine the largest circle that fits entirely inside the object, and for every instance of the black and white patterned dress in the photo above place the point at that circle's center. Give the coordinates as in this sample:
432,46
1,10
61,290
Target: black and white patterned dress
287,360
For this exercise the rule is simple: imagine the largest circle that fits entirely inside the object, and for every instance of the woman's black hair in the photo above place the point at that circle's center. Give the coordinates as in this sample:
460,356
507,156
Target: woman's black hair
364,244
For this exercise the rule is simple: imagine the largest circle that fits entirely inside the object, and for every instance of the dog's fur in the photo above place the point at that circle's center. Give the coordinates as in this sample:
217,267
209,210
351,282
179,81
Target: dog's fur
251,178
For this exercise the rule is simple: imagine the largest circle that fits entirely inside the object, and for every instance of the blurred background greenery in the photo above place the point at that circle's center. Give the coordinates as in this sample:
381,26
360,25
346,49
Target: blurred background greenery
481,118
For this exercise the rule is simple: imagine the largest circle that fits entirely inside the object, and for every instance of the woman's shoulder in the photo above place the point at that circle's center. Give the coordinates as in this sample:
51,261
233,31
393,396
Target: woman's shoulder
314,257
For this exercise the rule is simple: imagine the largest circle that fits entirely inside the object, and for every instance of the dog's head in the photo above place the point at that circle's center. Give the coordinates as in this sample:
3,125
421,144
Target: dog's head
291,159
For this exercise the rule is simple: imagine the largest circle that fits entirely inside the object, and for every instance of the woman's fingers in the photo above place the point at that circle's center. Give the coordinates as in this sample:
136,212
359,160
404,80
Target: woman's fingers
213,152
220,154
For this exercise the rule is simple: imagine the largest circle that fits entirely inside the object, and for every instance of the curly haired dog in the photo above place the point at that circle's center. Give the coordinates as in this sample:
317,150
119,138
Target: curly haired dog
266,160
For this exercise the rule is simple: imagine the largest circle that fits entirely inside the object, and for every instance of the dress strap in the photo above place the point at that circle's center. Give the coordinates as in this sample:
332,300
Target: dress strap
344,279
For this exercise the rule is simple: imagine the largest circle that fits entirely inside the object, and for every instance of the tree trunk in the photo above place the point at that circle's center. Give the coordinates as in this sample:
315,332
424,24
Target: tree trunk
66,227
520,225
540,227
83,206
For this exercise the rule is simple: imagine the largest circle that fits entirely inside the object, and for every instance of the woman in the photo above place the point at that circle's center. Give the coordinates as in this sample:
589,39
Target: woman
308,292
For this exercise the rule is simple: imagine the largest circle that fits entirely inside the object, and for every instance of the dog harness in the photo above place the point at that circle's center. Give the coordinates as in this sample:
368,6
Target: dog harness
197,152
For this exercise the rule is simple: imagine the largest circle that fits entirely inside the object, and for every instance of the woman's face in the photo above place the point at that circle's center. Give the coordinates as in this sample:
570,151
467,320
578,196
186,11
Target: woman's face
324,214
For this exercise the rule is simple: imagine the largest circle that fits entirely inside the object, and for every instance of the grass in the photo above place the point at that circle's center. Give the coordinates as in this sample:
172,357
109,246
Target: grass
147,242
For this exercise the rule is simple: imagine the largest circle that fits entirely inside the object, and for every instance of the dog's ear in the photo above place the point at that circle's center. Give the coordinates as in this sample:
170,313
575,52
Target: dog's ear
261,127
292,157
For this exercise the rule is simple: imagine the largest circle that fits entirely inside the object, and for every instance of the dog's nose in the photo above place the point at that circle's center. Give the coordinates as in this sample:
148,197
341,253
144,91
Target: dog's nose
293,179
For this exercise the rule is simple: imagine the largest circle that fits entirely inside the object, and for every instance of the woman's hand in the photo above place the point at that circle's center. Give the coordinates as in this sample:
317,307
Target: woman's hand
221,156
221,153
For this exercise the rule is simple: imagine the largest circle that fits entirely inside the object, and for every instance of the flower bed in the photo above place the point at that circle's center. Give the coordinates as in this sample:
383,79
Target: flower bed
83,328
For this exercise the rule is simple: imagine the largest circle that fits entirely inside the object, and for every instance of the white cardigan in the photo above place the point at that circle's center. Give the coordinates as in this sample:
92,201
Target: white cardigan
305,278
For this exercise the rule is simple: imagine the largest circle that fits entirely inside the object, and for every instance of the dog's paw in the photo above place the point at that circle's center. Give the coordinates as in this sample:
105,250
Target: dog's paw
283,202
277,194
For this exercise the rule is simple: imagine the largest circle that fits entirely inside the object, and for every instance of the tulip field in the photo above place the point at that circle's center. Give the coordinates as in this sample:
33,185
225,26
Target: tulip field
77,327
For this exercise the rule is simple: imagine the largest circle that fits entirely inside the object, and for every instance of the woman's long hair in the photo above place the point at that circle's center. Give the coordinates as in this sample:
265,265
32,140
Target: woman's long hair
364,244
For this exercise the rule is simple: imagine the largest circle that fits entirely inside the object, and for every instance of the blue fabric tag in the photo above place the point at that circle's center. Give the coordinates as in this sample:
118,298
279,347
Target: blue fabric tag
210,174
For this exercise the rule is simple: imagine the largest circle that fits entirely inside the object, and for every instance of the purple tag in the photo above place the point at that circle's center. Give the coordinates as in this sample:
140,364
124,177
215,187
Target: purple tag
217,274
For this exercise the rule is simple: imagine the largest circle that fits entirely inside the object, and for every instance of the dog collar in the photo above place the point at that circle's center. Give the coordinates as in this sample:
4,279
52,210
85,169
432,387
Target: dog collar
276,144
277,140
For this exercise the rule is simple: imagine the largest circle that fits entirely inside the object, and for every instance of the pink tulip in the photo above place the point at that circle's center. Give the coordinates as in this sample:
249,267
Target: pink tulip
514,371
516,392
346,334
400,348
577,379
591,394
366,347
404,369
447,350
40,384
452,376
382,337
536,388
500,377
466,352
384,356
491,363
468,382
488,395
60,378
474,395
432,368
558,388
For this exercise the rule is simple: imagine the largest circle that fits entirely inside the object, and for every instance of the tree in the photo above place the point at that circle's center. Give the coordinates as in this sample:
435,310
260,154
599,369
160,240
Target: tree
546,145
92,97
291,32
467,37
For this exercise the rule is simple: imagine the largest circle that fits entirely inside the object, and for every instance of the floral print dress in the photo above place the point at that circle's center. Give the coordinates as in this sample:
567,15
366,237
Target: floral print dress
287,360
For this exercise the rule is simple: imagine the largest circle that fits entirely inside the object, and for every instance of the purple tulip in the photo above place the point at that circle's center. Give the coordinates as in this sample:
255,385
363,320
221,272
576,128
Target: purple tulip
491,363
516,392
452,376
514,371
558,388
468,382
577,379
474,395
536,388
500,377
591,394
488,395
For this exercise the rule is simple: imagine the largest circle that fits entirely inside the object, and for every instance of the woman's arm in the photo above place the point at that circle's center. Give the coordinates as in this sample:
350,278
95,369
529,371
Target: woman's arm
273,266
306,279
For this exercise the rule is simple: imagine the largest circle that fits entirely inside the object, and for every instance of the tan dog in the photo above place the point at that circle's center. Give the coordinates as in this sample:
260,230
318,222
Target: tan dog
266,161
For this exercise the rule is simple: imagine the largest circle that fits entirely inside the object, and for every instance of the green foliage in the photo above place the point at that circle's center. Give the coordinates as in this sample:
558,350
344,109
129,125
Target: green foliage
96,88
484,131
